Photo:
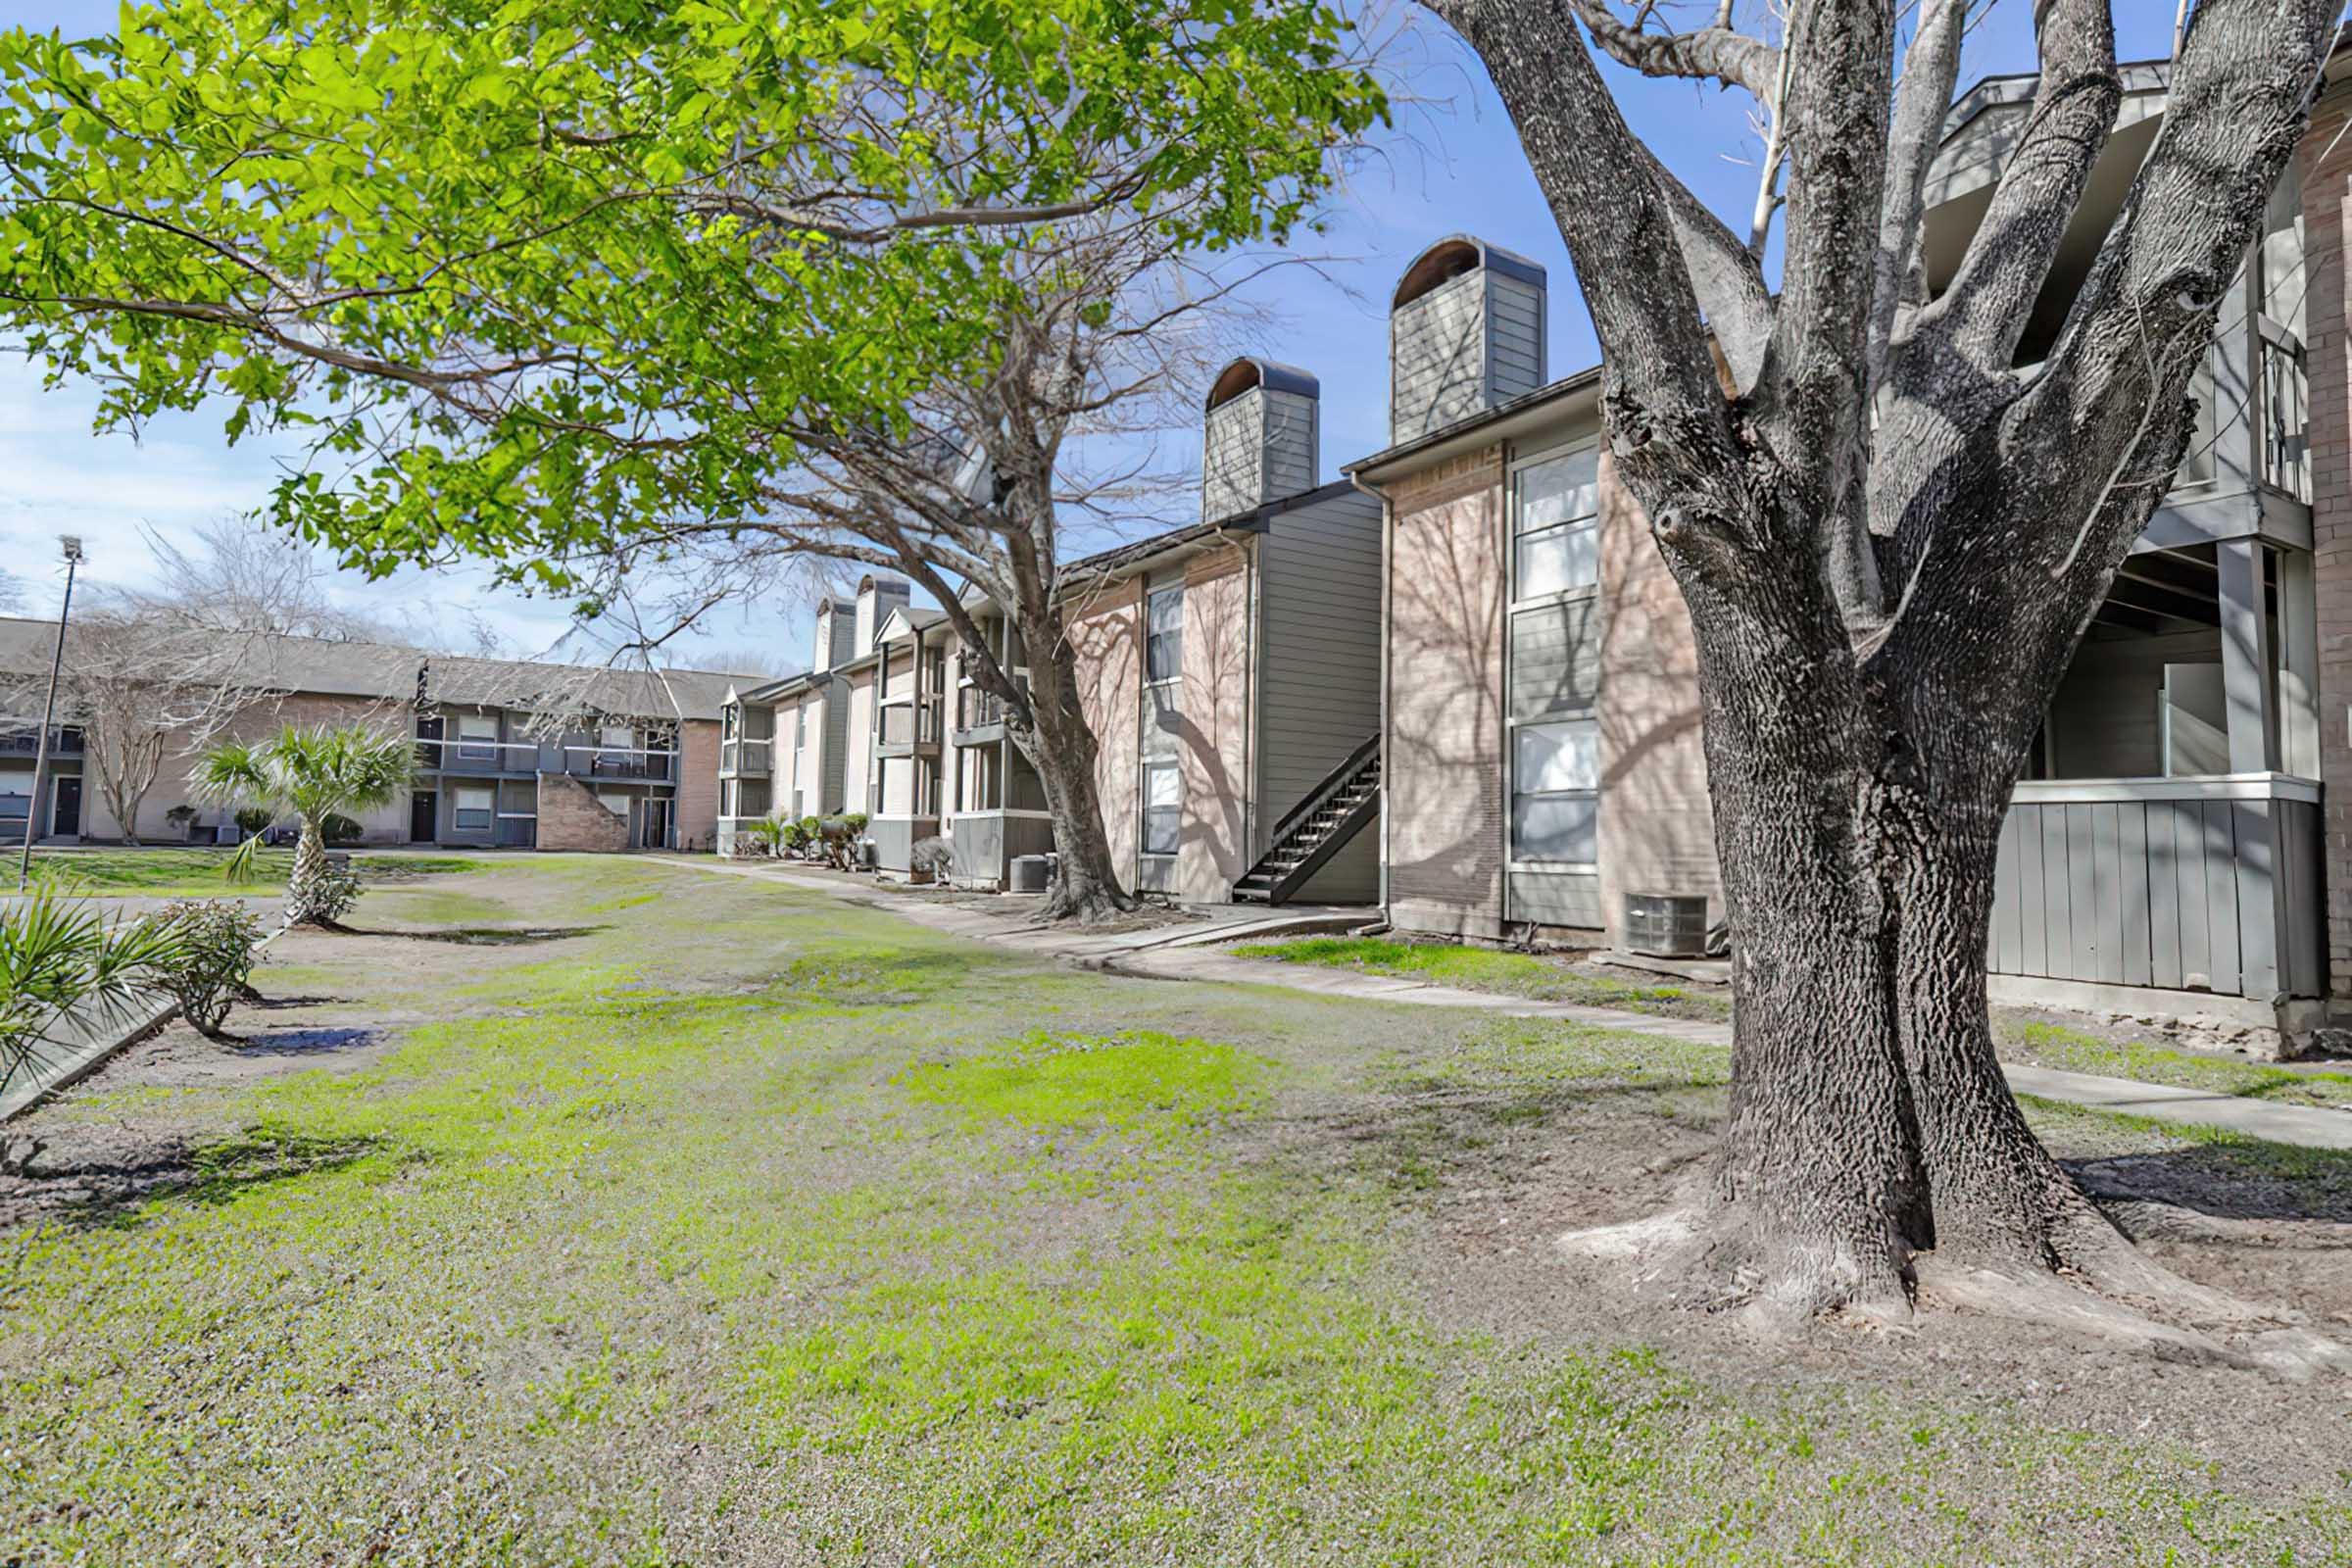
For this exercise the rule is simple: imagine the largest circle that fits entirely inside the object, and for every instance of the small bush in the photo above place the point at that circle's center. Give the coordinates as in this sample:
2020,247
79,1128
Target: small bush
252,819
932,858
796,836
213,942
336,828
812,836
327,899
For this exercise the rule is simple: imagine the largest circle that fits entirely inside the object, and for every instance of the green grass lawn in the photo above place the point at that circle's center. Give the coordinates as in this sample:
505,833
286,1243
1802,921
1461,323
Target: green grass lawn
1512,974
201,872
2051,1045
755,1227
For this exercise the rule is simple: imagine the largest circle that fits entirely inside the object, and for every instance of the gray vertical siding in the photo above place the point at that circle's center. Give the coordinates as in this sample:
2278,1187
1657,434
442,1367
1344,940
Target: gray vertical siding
1233,453
1319,657
2213,894
1514,337
1438,357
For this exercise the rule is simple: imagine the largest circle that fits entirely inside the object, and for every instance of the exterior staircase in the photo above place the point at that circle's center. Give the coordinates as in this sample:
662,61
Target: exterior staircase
1334,811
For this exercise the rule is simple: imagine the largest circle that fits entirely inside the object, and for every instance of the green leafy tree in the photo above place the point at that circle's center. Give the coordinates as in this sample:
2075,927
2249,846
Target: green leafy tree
543,279
309,774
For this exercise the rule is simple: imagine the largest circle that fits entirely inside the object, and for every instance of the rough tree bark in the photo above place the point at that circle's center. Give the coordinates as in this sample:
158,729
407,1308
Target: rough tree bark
1883,607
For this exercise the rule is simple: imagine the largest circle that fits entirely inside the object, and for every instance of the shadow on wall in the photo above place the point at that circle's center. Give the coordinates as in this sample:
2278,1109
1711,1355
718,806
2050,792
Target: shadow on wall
1443,772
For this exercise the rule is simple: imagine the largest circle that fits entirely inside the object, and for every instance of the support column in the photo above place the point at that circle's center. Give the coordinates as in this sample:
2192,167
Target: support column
2246,654
2298,666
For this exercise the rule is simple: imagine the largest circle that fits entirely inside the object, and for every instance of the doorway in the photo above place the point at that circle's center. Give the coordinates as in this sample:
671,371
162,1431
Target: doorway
654,825
64,811
423,816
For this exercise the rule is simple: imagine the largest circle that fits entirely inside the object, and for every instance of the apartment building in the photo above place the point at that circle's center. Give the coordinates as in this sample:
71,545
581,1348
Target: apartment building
631,763
2172,844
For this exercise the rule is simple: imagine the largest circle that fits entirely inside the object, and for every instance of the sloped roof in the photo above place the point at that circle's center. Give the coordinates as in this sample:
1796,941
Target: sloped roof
389,670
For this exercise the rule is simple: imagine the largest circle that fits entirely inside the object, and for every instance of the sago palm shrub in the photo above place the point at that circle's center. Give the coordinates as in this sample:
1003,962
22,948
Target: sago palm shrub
309,774
59,960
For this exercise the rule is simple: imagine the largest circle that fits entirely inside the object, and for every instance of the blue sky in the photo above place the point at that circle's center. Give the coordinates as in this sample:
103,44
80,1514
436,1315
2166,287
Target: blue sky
1453,166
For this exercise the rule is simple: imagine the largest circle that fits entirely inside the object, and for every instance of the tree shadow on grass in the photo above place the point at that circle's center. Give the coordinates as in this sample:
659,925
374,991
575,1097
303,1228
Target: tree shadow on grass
2226,1177
488,936
108,1175
304,1042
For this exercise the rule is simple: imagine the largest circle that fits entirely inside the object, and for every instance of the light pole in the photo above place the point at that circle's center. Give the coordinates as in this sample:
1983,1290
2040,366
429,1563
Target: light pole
72,546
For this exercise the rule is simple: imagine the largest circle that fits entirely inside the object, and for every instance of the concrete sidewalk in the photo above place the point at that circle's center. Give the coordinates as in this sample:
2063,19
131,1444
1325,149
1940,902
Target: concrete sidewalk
1187,951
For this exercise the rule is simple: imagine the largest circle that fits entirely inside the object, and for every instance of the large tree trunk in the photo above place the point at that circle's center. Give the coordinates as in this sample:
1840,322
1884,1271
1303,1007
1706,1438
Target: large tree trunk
1870,1120
1061,746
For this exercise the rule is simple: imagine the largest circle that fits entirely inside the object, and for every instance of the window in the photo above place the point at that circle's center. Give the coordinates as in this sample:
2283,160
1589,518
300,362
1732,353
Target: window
1163,808
1163,636
474,805
1555,526
617,738
16,802
615,801
730,722
800,725
478,737
1555,792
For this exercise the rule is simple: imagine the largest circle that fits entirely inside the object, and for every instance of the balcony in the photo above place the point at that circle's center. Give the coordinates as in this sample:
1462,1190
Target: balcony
581,760
634,763
909,727
63,741
744,759
2284,451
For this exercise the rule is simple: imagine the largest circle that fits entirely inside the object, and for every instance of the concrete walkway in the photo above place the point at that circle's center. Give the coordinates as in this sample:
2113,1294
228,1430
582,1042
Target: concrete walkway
1187,952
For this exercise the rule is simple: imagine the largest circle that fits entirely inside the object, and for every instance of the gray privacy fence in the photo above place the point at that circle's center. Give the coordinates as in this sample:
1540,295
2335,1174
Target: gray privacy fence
2197,884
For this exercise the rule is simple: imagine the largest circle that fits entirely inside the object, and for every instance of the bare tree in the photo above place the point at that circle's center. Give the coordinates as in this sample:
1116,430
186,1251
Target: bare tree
146,686
244,576
985,482
1891,541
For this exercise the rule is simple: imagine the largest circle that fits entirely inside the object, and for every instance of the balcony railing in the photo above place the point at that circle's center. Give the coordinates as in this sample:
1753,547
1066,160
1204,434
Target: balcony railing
744,757
975,708
2284,436
910,724
582,759
63,741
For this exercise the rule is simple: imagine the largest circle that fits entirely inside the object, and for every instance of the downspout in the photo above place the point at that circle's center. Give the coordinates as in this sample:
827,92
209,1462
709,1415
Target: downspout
1388,529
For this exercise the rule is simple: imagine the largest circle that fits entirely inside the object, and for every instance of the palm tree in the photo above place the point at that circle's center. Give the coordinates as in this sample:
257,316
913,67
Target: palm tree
309,774
59,960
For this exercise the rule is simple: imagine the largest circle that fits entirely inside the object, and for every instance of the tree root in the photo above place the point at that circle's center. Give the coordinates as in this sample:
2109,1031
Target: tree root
2099,1288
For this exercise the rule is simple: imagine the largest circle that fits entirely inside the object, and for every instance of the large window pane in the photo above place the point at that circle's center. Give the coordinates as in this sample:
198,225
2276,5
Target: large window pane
472,806
1562,490
1552,757
1558,559
1163,802
1555,827
1163,641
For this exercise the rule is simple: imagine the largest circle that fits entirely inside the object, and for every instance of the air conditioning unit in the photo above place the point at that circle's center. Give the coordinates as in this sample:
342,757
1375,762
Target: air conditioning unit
1666,925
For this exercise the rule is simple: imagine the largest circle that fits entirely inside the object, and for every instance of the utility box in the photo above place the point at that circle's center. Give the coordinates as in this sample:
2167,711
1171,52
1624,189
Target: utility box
1028,874
1666,925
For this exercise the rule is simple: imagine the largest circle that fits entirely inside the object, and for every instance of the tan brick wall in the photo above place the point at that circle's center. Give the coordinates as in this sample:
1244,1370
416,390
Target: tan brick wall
1213,751
2327,156
698,783
1658,830
858,749
173,781
572,817
1444,771
1106,636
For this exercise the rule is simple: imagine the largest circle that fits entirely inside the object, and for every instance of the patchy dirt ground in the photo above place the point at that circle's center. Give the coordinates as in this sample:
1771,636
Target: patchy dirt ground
747,1225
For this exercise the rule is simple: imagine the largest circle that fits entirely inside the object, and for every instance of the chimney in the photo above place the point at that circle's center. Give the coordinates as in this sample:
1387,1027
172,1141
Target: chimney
877,596
1465,334
836,633
1261,439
